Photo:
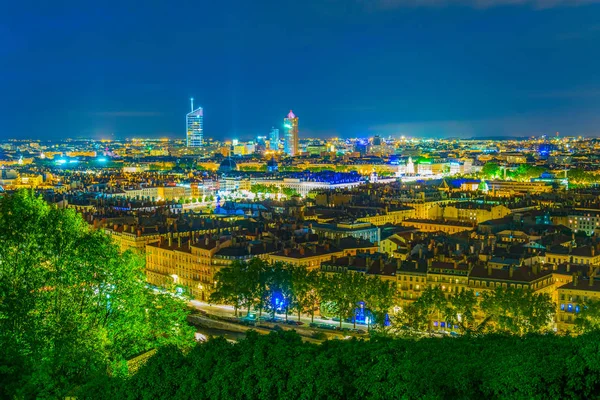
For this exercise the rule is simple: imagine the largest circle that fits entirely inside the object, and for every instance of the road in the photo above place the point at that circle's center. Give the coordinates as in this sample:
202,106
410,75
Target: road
227,311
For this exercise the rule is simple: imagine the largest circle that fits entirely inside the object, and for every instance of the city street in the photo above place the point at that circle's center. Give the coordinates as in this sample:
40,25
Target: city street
227,311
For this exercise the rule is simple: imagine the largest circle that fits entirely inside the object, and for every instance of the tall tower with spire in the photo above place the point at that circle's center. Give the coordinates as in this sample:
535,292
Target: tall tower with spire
290,140
194,122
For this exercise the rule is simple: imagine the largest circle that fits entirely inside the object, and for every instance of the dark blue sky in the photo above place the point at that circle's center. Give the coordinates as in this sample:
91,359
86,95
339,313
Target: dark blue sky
346,67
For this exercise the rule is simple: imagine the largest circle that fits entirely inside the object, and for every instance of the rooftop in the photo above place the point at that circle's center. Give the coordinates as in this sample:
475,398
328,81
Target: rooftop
523,274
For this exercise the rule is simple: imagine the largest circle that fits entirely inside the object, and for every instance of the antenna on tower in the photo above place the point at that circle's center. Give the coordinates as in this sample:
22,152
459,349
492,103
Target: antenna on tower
192,103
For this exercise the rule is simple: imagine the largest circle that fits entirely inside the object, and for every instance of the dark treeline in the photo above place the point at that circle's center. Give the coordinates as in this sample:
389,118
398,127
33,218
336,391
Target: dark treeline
281,366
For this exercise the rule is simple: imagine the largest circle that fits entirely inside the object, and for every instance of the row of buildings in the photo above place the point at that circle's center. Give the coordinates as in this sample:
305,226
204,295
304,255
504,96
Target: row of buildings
526,246
194,121
414,259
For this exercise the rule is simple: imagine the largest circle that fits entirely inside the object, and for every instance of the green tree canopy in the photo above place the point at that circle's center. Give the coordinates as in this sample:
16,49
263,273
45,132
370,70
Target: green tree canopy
70,304
282,366
305,287
343,291
235,286
518,311
431,305
578,176
588,320
461,309
289,192
380,296
526,172
491,170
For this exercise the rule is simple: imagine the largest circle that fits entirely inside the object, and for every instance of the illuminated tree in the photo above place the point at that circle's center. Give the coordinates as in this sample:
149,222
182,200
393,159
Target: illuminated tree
233,286
579,176
588,320
412,316
379,298
260,188
70,304
491,170
526,172
289,192
305,286
278,287
517,311
461,309
343,291
432,304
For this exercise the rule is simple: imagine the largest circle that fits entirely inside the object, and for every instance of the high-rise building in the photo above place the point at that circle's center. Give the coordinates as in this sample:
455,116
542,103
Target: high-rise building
274,139
194,122
290,142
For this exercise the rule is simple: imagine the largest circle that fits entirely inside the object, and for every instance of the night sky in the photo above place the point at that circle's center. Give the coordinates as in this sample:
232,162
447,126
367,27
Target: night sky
430,68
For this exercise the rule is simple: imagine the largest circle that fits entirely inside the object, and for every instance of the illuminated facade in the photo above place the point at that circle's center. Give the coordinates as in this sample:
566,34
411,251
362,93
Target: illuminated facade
194,122
573,298
290,142
303,187
362,230
393,217
436,225
186,263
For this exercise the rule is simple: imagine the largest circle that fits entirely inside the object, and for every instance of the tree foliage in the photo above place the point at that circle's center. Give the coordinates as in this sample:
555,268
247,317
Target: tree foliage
491,170
260,188
281,366
71,305
283,288
307,292
461,310
518,311
278,288
234,286
504,310
289,192
588,319
343,291
526,172
430,306
580,176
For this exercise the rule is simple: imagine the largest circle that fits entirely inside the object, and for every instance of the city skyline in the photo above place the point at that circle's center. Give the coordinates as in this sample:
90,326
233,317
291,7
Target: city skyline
435,70
362,191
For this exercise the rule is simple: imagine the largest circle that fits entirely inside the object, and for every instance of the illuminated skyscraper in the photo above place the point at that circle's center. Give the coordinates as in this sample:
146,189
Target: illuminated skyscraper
290,140
194,122
274,139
